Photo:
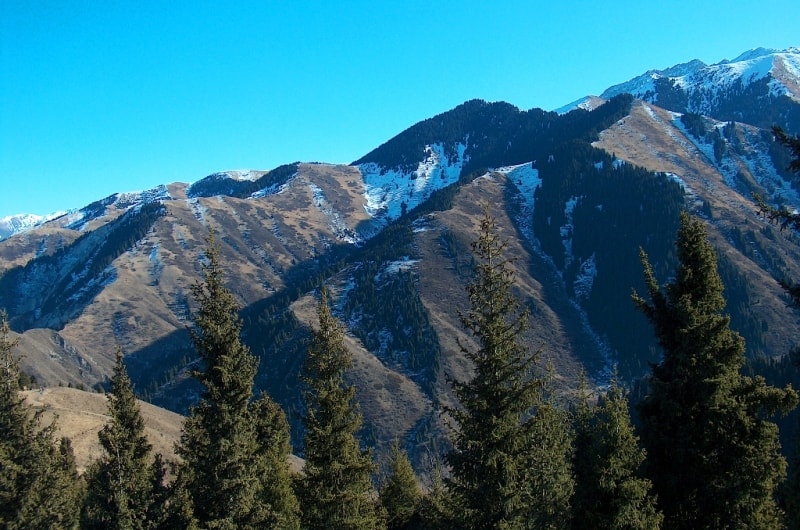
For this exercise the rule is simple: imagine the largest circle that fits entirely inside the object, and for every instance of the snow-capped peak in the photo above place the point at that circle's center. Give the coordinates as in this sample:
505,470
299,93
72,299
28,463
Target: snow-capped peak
76,219
782,65
586,103
12,224
243,174
755,53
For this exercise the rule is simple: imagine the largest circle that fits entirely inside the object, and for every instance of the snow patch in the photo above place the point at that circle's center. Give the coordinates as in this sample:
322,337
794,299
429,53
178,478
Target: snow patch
244,174
335,222
584,281
394,267
567,229
14,224
706,82
104,279
588,103
389,192
526,179
198,209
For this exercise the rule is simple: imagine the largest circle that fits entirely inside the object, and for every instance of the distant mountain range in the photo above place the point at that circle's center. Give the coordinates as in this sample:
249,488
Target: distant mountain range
577,192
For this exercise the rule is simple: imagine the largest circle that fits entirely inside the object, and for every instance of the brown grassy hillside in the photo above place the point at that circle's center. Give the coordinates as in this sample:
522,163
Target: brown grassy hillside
80,415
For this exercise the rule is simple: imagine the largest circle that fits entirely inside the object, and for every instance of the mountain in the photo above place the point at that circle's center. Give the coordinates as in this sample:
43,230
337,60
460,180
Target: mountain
759,87
13,224
577,193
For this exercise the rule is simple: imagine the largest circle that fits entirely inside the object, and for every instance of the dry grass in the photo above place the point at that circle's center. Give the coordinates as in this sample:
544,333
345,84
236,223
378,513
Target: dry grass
80,415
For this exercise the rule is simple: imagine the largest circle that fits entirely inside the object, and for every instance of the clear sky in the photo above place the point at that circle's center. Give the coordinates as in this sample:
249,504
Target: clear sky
104,96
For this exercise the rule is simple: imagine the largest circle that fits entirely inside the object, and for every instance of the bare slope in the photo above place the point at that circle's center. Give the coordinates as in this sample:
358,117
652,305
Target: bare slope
80,415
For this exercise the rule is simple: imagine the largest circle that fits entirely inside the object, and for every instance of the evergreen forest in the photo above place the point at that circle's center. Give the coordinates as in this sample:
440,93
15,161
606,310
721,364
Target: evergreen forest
698,442
521,456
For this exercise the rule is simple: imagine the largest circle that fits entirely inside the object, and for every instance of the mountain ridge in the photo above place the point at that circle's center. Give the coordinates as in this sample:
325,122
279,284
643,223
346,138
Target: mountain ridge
576,194
641,87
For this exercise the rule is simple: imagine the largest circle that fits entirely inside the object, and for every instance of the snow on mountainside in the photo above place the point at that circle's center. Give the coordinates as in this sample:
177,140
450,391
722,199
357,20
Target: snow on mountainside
13,224
77,219
585,103
390,192
749,67
700,88
575,214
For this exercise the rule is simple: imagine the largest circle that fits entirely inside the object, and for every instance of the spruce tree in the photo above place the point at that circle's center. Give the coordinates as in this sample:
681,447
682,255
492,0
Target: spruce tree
790,490
120,484
510,460
400,494
336,489
436,506
220,483
272,434
610,489
714,457
38,480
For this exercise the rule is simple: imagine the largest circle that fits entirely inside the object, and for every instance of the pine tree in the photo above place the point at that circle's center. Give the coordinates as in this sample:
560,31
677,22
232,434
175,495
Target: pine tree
790,491
436,506
38,480
610,491
336,490
272,432
400,494
120,484
714,457
220,483
510,461
158,510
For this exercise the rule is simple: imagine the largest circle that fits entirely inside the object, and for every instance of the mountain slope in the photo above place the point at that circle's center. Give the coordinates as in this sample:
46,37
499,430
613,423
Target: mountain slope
576,194
761,87
79,415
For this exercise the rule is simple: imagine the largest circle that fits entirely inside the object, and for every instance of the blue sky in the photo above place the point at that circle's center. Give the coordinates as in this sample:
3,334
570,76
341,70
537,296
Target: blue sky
99,97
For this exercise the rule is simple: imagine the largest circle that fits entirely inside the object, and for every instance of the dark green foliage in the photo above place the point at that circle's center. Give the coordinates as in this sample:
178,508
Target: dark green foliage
752,103
695,124
220,184
227,451
38,481
436,508
272,436
389,318
510,457
121,485
336,489
610,489
618,208
668,94
499,134
790,490
400,494
704,425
